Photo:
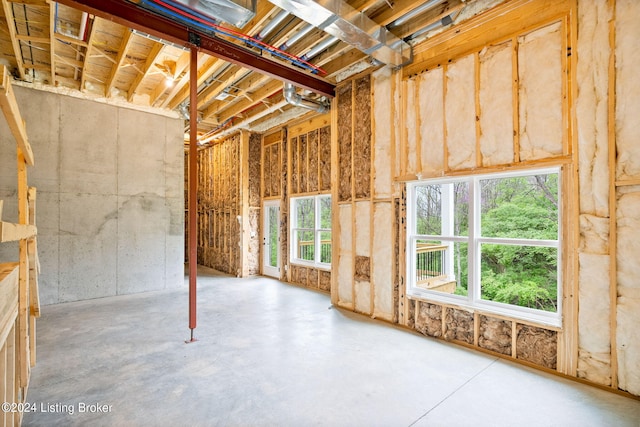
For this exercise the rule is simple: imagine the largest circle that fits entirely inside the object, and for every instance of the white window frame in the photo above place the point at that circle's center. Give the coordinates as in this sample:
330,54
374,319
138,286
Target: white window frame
317,230
474,240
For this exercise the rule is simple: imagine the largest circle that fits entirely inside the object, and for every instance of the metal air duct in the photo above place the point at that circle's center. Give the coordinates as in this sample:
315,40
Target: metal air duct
234,12
337,18
295,99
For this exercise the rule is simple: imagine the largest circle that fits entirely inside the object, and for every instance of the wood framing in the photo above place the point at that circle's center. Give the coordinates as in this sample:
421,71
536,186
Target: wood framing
493,26
613,228
19,300
519,31
9,107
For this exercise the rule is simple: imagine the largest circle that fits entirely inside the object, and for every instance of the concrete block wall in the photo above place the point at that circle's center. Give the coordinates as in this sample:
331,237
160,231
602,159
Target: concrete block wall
110,204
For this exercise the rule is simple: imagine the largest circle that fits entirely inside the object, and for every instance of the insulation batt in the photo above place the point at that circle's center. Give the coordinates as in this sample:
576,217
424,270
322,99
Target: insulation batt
459,325
363,232
594,234
362,138
460,113
628,307
537,345
382,268
345,260
627,88
429,320
412,134
495,335
540,93
592,106
363,296
594,337
432,123
496,105
382,179
593,315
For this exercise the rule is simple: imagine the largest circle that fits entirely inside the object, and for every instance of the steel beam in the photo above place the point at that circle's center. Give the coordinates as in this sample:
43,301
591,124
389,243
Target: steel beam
132,16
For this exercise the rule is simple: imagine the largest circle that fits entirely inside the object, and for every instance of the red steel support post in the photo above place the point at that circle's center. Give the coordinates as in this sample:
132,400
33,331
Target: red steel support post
193,186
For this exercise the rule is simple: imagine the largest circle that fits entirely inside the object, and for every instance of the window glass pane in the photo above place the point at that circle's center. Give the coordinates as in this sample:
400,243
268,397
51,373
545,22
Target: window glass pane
273,236
524,207
443,209
441,266
305,245
325,247
325,212
305,212
429,209
461,208
526,276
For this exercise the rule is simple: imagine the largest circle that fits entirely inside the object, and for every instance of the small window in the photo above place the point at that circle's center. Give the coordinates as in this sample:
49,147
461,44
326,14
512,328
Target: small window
489,241
311,230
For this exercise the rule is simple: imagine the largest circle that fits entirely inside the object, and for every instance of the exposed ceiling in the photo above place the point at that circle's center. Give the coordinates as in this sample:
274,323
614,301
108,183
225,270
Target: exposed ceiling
53,44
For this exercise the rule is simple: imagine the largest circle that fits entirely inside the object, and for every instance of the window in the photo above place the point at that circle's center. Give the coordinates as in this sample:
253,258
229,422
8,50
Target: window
488,241
311,230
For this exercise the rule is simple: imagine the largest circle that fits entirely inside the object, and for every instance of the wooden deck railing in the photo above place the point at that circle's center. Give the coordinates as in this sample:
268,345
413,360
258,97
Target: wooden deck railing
306,250
430,262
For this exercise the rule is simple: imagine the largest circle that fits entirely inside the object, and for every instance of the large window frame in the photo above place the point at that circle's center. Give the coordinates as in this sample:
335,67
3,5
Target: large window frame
474,239
317,230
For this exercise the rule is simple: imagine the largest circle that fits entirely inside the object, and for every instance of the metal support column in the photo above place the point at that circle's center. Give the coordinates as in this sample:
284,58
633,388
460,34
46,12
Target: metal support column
193,187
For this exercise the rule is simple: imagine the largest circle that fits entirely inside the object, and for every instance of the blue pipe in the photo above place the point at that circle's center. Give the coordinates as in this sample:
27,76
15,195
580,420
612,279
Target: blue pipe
199,25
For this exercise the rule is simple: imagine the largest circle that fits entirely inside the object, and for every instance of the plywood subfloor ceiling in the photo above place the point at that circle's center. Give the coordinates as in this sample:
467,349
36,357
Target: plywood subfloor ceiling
47,43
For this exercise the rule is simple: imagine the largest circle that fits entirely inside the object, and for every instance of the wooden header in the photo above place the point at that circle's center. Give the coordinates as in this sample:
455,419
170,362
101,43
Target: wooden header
490,27
9,107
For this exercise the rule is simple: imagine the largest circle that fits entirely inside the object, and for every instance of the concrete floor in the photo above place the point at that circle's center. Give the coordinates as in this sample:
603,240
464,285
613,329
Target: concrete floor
271,354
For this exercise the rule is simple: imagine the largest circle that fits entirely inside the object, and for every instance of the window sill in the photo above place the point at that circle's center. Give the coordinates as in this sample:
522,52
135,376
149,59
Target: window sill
309,264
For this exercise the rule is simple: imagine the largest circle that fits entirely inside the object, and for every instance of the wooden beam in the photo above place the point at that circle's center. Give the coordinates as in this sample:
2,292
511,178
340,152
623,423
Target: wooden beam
90,47
500,23
433,16
32,39
70,62
246,87
122,54
214,90
182,65
402,7
32,3
181,91
34,265
151,59
52,41
128,14
23,287
11,25
343,61
252,99
613,198
10,232
8,300
61,38
9,107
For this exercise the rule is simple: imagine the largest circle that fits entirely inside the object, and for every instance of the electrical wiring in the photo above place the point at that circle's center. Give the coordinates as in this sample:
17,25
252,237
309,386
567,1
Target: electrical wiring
204,23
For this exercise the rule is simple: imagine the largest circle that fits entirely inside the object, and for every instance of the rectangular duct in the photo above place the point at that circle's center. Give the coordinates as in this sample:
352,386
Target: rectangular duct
342,21
234,12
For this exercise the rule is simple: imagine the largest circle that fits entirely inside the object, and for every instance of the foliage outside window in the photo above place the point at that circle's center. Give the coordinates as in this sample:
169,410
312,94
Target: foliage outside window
488,241
311,230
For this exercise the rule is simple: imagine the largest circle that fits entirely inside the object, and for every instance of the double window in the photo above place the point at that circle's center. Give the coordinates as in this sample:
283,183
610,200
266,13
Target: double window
488,241
311,230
